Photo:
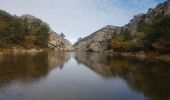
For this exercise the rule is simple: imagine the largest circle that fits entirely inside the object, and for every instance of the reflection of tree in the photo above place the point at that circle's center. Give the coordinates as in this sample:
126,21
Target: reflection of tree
29,66
151,77
153,80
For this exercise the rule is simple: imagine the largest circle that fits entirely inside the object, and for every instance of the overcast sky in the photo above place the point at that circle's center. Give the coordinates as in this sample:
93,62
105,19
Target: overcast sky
79,18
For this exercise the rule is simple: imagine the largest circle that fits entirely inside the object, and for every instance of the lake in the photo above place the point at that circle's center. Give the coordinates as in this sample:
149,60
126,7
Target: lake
82,76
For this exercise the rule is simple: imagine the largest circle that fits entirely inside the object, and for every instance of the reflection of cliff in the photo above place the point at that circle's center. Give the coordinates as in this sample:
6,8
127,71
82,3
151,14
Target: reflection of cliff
29,66
150,77
95,61
58,59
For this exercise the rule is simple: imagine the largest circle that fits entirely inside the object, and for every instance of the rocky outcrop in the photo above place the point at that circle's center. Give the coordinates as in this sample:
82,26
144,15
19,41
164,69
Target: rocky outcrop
55,40
132,25
98,41
160,9
59,43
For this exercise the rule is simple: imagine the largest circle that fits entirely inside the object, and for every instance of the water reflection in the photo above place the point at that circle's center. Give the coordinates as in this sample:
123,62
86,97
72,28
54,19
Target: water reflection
29,66
148,76
82,76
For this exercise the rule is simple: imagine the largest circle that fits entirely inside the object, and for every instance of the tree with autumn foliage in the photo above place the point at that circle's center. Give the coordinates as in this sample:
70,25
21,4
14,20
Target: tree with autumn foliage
17,31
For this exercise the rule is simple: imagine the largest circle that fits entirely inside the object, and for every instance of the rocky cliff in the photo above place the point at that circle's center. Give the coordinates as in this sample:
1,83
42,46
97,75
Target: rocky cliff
55,40
160,9
99,41
59,43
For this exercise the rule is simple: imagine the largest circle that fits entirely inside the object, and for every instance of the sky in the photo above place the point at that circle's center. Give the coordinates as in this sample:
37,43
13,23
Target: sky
79,18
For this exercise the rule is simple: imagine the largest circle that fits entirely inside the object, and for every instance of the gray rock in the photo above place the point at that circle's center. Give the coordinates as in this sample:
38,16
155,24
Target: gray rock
59,43
97,41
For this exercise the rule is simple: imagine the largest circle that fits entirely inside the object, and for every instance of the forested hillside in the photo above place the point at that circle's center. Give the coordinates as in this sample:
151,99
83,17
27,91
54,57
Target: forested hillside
22,31
29,32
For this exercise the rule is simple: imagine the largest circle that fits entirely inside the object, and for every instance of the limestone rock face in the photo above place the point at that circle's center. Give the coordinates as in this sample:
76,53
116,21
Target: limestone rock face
132,25
59,43
97,41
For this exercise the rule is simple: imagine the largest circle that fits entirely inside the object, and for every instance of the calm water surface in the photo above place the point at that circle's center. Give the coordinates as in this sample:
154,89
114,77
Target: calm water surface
82,76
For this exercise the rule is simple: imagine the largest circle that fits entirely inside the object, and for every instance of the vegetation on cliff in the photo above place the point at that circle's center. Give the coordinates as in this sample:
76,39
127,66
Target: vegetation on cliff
154,36
22,32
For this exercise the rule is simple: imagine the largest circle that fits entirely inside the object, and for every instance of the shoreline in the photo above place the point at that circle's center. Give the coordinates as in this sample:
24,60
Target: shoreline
21,50
143,55
32,50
